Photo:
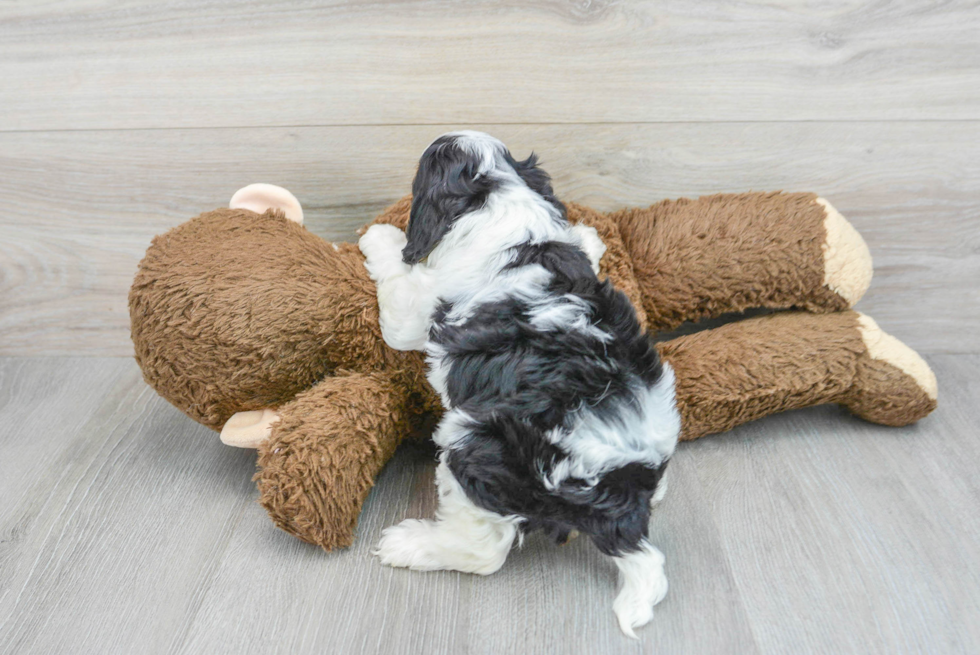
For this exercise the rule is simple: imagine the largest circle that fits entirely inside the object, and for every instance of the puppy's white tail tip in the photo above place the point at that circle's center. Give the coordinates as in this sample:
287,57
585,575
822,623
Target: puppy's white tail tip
627,629
633,614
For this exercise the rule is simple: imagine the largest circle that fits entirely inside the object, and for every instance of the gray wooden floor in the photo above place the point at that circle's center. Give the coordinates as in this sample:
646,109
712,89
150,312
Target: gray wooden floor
124,527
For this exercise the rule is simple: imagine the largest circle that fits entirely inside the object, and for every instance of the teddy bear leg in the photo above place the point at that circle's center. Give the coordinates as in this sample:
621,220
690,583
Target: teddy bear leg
893,385
319,464
725,253
746,370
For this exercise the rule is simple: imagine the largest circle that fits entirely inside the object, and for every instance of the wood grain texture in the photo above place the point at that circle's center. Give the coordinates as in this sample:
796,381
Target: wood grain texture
828,521
131,529
141,63
125,527
106,544
80,208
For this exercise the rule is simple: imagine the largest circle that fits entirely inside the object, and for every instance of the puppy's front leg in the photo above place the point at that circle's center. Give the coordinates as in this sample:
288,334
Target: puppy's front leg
463,537
406,297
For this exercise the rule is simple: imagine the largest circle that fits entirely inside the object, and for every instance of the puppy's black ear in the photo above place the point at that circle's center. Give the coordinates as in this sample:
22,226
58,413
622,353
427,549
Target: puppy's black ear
536,179
447,185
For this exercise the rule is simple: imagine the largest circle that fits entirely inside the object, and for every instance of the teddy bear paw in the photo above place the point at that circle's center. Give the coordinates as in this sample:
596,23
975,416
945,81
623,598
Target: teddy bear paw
847,260
893,385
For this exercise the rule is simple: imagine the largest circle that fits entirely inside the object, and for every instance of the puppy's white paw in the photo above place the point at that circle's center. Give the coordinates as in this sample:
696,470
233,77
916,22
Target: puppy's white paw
382,247
406,545
382,238
591,244
644,585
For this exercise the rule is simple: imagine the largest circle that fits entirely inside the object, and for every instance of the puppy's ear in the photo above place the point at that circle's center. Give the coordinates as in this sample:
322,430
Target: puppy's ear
536,179
448,184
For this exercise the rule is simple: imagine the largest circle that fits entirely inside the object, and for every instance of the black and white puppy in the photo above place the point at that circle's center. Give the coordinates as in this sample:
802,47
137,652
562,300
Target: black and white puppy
560,415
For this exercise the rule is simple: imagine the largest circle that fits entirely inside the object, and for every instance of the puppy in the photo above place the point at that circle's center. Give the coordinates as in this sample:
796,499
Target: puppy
560,415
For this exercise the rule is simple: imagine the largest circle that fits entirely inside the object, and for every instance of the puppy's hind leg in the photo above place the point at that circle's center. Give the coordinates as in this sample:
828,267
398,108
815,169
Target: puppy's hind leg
463,537
642,585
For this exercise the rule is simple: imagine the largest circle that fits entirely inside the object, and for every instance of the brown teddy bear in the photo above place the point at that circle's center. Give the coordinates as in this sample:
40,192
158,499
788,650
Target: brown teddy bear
254,326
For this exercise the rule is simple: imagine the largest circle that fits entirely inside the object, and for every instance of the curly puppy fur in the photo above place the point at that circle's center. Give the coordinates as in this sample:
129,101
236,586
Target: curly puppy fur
560,414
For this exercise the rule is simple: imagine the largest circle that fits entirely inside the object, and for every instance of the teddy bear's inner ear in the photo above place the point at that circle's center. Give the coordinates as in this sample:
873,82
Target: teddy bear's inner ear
260,197
249,429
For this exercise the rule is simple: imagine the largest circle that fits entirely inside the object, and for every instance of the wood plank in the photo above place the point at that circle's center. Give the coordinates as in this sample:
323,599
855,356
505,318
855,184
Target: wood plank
44,404
143,64
701,586
117,516
136,530
275,594
545,599
81,207
853,538
132,528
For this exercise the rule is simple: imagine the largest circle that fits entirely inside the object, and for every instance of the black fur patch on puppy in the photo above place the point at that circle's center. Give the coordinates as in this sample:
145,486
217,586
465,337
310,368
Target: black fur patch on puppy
536,179
555,395
517,382
447,185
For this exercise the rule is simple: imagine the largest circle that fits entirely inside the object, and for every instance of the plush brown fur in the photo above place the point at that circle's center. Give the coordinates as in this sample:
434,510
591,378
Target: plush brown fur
743,371
234,311
727,253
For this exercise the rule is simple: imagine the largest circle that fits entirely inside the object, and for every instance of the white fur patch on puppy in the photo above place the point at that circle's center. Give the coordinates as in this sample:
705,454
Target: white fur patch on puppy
406,297
463,537
382,245
590,243
660,493
644,584
646,432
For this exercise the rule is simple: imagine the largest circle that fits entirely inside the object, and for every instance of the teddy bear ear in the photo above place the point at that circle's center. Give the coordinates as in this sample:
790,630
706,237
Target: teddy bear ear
260,197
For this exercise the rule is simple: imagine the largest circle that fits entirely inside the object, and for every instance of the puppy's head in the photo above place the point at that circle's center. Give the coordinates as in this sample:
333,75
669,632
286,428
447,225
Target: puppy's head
456,175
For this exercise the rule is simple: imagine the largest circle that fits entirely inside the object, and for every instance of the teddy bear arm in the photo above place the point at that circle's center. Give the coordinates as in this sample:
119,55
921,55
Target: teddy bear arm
746,370
320,462
396,214
726,253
